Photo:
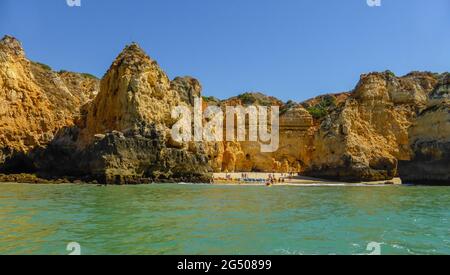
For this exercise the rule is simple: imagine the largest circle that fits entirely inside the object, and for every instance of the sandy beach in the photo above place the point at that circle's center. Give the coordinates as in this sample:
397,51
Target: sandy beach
286,179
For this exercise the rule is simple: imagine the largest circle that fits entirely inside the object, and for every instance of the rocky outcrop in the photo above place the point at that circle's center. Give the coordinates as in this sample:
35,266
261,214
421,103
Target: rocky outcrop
35,103
364,139
136,156
134,90
246,156
356,136
430,141
124,136
64,124
188,88
118,130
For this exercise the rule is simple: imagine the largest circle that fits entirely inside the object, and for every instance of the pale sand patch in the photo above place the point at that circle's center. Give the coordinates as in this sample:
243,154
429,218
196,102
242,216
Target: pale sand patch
236,179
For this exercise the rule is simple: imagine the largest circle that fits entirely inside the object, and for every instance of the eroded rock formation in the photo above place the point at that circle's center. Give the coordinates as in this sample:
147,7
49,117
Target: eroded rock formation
246,156
430,141
117,130
124,136
35,102
365,138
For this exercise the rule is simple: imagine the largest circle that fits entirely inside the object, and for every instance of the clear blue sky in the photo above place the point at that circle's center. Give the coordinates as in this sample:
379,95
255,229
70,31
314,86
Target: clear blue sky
292,49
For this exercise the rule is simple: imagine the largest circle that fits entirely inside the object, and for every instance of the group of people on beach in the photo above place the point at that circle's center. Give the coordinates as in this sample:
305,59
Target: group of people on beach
272,179
246,177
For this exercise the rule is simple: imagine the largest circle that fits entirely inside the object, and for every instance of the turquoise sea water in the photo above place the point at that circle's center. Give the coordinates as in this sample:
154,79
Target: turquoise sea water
188,219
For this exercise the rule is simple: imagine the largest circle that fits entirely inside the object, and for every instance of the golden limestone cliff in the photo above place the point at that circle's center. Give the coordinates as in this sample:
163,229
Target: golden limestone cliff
35,102
430,140
124,135
365,137
246,156
134,89
118,130
357,136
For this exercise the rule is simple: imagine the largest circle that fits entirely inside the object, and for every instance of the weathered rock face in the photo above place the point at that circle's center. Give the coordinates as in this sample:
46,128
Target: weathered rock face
134,90
357,136
364,139
118,130
188,88
430,141
246,156
136,156
35,103
124,136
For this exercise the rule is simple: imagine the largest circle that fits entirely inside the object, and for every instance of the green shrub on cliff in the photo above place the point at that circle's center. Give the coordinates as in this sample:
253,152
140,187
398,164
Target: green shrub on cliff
247,98
89,75
286,107
322,109
43,66
317,112
258,99
390,73
328,101
211,100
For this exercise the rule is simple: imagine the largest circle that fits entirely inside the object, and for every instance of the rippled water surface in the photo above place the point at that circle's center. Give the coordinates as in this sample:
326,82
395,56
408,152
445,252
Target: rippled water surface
187,219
